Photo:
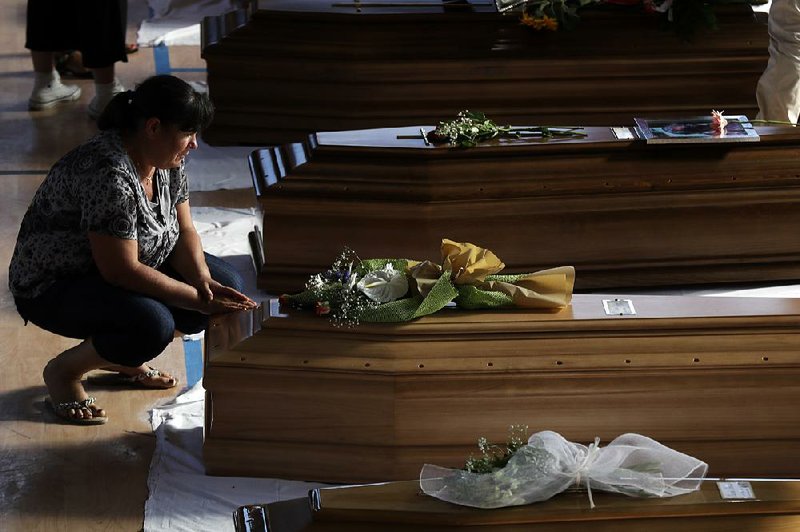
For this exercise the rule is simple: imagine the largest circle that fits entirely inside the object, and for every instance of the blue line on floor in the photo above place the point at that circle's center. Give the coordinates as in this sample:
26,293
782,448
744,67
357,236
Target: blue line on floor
162,63
161,58
193,353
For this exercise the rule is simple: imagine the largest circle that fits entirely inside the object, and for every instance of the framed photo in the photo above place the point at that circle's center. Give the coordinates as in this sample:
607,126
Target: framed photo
695,130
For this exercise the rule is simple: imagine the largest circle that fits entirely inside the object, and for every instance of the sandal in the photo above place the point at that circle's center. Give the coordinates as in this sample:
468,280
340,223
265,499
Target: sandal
136,381
70,65
62,410
131,48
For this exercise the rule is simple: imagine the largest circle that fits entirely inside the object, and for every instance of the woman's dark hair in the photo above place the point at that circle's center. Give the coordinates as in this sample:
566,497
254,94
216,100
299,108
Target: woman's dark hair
170,99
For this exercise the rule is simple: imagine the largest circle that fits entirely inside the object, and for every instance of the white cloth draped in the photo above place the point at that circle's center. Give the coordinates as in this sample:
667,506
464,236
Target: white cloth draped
177,22
778,90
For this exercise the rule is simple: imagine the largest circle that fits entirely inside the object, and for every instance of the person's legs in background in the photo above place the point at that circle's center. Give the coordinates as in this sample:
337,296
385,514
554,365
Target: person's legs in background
102,45
106,86
49,28
96,28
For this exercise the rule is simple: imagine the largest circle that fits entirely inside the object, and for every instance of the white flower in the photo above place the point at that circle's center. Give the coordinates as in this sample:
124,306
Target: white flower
315,282
384,285
351,278
718,121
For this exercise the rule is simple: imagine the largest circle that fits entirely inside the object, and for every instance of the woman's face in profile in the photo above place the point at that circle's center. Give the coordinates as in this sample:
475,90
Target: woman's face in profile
174,145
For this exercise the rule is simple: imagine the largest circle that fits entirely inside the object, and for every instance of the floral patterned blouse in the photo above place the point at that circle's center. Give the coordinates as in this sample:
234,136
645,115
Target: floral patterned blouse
94,187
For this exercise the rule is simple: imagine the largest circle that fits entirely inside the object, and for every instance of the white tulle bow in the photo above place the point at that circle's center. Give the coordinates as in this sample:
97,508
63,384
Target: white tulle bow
632,464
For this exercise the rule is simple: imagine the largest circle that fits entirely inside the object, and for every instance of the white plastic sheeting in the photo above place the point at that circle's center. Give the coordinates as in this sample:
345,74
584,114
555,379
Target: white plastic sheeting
182,498
177,22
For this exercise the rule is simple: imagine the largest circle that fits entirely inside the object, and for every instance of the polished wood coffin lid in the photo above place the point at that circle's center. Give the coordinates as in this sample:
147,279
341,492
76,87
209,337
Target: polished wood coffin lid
401,507
622,212
460,339
291,396
403,502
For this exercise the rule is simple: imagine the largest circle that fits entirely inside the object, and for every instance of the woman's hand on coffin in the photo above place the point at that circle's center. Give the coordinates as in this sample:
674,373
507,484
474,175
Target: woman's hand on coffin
224,299
222,304
220,290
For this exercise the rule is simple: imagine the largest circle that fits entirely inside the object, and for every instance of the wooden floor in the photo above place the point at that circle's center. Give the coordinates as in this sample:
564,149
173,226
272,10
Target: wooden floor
55,476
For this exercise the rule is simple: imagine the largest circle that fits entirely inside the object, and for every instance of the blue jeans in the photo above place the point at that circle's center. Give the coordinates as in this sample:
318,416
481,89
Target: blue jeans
126,328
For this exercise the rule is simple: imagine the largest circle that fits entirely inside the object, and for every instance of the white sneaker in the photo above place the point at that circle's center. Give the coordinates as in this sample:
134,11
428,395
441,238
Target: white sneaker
103,94
53,93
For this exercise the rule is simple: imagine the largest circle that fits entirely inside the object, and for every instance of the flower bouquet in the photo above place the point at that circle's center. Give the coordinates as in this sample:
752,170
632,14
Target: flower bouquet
397,290
548,464
471,127
684,16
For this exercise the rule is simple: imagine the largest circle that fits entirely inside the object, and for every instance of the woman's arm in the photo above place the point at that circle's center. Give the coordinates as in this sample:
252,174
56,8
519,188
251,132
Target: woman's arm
117,260
187,257
189,261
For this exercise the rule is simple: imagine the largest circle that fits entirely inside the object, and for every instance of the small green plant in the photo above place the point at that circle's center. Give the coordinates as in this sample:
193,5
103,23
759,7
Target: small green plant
494,457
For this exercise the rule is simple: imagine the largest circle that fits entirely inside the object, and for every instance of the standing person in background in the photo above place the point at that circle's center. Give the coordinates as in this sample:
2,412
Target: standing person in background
107,252
778,90
94,27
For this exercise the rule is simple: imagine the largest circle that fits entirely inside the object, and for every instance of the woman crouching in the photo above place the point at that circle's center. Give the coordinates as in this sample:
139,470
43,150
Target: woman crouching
107,251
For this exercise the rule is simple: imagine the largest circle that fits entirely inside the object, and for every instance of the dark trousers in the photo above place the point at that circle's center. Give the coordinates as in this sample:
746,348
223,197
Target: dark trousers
95,27
126,328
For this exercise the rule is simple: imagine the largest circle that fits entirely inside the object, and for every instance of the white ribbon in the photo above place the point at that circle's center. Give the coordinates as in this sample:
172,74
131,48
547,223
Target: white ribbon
585,466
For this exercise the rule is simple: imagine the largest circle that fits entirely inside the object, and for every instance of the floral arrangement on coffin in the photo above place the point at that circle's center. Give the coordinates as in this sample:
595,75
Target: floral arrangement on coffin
684,16
396,290
471,127
547,464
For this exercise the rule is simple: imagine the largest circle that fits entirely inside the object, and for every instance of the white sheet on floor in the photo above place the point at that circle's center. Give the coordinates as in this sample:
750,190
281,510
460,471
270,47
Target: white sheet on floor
182,498
177,22
218,167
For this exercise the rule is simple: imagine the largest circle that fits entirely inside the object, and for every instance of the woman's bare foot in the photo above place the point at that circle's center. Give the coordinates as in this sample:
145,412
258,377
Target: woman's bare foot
65,387
145,376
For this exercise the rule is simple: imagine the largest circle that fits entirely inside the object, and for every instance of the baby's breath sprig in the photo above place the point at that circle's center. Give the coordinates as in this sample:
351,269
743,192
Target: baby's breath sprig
495,457
335,294
471,127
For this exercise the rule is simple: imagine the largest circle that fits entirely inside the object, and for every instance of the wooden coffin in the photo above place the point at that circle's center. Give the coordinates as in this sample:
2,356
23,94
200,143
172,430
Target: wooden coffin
287,68
401,507
716,378
623,212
